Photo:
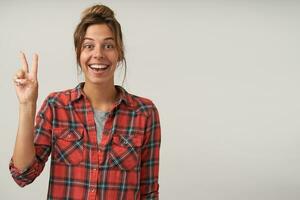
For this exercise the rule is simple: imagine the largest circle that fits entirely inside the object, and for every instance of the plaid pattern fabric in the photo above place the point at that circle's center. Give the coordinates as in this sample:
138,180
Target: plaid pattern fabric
124,165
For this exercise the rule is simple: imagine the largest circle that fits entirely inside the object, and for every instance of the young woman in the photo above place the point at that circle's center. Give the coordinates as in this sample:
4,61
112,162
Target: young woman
104,142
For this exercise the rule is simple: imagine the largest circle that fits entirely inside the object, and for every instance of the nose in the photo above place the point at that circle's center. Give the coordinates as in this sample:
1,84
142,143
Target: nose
98,53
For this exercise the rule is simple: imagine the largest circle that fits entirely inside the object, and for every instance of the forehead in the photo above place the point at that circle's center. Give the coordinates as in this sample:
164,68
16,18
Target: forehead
98,32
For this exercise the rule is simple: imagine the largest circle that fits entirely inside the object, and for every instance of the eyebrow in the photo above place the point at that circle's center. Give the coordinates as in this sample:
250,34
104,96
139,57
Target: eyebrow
108,38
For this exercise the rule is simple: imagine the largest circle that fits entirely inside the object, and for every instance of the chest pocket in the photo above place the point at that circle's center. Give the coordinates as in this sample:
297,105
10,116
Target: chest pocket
125,151
68,145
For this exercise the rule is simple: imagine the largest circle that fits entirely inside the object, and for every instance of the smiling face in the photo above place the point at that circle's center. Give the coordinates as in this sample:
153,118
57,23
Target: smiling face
99,55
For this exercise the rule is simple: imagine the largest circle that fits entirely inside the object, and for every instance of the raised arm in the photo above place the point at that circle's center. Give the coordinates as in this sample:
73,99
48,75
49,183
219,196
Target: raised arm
26,86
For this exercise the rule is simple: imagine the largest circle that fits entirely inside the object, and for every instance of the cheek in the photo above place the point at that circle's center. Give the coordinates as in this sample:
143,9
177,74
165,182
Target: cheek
82,58
114,57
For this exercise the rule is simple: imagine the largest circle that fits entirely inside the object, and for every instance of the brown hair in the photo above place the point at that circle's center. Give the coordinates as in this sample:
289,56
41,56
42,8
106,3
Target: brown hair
99,14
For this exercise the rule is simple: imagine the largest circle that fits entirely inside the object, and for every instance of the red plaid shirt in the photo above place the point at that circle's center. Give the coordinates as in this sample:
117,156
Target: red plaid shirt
124,165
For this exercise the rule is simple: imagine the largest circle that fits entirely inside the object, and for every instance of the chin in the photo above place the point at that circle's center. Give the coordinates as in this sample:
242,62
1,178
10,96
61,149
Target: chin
97,81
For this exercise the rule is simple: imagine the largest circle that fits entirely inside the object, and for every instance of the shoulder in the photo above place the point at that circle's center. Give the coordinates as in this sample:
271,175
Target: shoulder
61,98
141,104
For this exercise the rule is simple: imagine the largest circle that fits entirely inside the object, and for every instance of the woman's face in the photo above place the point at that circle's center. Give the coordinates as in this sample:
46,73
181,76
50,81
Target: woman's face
99,56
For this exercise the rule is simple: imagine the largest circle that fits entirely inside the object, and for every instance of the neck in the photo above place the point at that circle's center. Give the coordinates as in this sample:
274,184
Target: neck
101,96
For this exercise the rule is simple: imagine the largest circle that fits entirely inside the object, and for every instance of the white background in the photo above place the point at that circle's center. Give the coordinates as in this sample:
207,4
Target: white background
223,74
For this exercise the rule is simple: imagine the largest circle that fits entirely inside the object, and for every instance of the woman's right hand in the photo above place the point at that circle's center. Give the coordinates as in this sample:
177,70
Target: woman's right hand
26,82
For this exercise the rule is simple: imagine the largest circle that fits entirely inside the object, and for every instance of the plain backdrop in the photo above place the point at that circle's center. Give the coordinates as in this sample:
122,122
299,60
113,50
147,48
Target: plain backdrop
223,74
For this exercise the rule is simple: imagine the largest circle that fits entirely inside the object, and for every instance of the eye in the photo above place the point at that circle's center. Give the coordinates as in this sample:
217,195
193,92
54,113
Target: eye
108,46
88,46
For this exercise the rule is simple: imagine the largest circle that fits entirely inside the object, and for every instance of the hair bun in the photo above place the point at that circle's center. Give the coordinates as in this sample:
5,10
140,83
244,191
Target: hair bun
100,10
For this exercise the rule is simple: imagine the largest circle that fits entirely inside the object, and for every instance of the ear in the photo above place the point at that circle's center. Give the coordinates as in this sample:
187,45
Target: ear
120,58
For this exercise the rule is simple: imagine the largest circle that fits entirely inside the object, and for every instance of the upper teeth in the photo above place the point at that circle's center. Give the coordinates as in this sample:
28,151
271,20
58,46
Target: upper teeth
98,66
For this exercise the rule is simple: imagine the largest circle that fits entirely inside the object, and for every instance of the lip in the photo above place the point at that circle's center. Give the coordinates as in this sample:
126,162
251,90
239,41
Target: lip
98,71
98,64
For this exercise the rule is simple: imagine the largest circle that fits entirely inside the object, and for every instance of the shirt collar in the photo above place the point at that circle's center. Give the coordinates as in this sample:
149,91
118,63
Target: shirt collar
124,96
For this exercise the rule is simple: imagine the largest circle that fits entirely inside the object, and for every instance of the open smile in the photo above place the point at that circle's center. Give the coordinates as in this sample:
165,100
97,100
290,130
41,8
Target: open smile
98,67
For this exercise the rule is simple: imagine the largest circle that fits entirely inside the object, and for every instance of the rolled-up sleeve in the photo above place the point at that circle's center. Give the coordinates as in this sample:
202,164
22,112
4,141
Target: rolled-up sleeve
42,143
150,157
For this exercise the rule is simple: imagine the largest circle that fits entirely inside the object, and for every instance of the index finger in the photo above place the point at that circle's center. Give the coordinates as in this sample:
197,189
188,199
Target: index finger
35,65
24,62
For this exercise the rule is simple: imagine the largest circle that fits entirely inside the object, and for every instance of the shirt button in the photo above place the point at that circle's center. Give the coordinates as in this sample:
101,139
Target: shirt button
92,190
94,169
125,141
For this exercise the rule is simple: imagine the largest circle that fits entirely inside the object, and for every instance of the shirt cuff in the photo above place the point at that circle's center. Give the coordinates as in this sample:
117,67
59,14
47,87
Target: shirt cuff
25,176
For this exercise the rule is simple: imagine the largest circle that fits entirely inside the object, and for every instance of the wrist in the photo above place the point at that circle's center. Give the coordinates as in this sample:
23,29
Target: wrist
28,106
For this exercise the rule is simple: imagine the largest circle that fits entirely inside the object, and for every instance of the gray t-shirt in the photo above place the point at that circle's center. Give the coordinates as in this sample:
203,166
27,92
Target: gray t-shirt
100,118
